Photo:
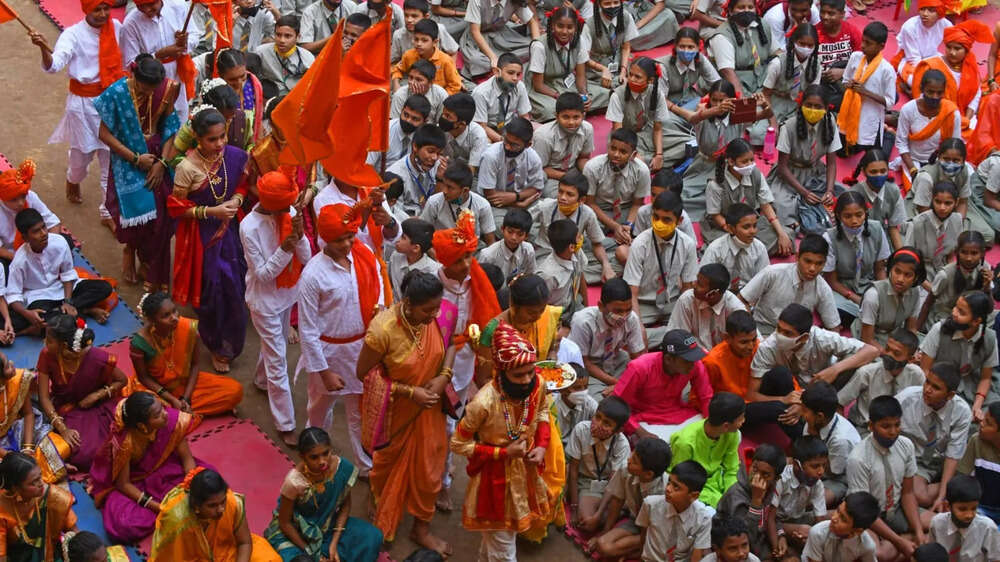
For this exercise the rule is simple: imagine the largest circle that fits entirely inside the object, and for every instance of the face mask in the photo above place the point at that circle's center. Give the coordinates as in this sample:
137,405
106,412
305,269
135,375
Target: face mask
663,230
377,8
407,127
784,343
951,168
745,171
959,523
952,326
891,364
740,244
884,442
744,19
512,153
804,52
638,88
569,209
686,56
445,125
577,398
876,182
612,13
813,115
456,201
803,478
600,433
615,320
505,86
249,12
855,231
516,391
932,103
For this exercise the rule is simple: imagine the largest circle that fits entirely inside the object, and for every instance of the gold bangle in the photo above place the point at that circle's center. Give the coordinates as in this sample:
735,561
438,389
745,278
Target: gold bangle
447,373
410,388
107,389
496,453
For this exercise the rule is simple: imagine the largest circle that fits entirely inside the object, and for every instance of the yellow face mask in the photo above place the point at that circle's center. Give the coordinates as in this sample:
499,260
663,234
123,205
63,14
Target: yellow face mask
663,229
579,243
568,210
286,54
813,115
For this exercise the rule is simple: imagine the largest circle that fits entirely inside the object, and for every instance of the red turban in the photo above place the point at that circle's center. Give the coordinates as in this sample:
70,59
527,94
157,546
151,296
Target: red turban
15,183
109,57
936,4
967,33
277,192
510,349
453,244
337,220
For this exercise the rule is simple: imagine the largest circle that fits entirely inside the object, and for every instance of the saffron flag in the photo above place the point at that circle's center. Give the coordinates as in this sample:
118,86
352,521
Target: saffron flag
359,124
6,12
222,13
304,116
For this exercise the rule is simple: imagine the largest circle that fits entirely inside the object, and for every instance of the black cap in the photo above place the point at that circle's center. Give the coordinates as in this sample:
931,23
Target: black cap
682,344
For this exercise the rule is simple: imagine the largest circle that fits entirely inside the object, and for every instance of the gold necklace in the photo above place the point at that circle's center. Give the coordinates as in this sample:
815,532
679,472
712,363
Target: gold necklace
149,107
415,334
214,179
161,345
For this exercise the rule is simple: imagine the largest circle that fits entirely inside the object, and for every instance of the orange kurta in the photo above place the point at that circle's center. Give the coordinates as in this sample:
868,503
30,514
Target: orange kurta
407,473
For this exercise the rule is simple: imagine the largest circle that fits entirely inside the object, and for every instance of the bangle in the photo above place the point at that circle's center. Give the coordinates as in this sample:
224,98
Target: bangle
913,171
410,389
496,453
107,389
162,390
135,158
28,449
981,394
447,373
338,529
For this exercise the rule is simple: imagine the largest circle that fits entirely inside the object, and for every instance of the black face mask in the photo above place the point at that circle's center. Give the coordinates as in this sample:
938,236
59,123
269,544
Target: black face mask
886,443
612,13
517,391
249,12
615,167
959,523
407,127
951,326
445,125
743,19
891,364
512,153
932,103
377,8
802,477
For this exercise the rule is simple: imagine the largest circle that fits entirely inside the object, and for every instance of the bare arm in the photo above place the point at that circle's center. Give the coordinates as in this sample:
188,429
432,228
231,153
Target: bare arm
244,542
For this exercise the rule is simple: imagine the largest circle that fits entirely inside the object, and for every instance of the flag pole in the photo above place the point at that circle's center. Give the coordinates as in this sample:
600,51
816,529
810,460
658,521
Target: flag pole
187,20
388,96
27,27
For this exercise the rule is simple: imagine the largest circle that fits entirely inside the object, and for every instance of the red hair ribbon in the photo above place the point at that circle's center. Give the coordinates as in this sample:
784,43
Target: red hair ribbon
910,253
831,107
579,18
719,153
798,98
190,476
659,71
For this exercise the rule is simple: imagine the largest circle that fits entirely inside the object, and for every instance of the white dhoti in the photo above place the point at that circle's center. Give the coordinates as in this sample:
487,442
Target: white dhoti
271,373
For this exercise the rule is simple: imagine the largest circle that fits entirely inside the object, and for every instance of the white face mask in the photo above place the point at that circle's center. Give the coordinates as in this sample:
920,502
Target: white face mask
577,398
745,171
784,343
740,244
804,52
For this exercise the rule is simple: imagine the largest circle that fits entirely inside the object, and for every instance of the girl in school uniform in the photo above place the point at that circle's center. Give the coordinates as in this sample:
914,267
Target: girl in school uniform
885,204
857,255
737,179
638,106
935,231
492,33
608,38
985,185
656,24
789,73
687,73
712,132
893,302
969,272
807,165
558,65
948,163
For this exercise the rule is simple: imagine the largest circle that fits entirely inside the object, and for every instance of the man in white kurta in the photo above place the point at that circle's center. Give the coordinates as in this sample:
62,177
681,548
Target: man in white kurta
268,257
155,28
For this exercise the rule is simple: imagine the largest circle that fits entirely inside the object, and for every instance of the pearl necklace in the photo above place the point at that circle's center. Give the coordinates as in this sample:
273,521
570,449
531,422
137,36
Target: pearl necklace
514,432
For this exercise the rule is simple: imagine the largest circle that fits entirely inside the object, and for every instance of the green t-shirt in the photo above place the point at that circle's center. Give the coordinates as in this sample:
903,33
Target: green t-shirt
720,458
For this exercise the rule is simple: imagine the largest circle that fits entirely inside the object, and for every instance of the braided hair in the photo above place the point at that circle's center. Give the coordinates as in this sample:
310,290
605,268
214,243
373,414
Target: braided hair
71,331
812,63
761,33
871,155
827,128
723,86
952,143
736,148
958,283
687,33
619,21
650,68
850,198
150,304
980,305
558,14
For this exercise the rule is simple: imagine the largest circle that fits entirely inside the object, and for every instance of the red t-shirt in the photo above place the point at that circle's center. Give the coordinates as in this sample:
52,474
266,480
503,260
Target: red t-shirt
839,48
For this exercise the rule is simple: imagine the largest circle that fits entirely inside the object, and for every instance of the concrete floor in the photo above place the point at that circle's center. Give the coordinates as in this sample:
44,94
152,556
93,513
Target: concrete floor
32,103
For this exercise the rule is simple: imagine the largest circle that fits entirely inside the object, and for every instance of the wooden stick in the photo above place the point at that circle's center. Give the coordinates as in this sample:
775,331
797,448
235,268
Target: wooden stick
26,26
187,20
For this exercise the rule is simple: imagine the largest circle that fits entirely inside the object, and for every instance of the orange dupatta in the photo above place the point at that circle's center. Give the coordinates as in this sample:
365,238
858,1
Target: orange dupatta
172,366
850,109
944,120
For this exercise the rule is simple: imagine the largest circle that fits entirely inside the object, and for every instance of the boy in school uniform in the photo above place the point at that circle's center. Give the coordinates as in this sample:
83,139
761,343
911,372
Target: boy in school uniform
664,180
574,404
562,270
425,46
799,494
890,374
420,169
741,252
595,451
565,143
510,172
609,335
320,19
819,412
640,478
776,285
355,25
676,525
714,444
284,62
662,264
961,530
419,82
502,97
982,460
511,253
455,196
704,308
466,139
884,465
253,24
870,87
411,253
402,39
751,499
844,536
415,113
276,251
937,421
728,363
730,541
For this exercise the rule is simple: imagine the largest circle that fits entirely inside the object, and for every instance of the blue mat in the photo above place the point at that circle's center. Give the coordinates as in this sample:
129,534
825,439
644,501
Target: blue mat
89,517
122,323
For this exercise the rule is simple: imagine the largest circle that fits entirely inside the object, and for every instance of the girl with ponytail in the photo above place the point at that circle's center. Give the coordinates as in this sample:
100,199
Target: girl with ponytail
884,200
789,73
656,21
688,73
609,35
858,250
891,304
638,106
968,272
33,514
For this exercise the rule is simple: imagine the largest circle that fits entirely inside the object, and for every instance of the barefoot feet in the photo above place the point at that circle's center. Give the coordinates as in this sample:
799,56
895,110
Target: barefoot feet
421,535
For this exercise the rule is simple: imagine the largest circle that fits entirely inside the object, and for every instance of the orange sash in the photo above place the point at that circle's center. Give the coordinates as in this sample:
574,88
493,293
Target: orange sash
78,88
961,93
850,109
944,120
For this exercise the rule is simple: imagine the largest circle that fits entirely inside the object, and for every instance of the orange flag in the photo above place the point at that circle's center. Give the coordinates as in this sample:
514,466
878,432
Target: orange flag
222,13
359,123
6,13
304,116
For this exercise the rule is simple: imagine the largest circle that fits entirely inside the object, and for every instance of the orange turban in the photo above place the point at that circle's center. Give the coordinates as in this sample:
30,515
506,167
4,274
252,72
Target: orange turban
15,183
276,191
511,349
453,244
936,4
337,220
967,33
109,57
